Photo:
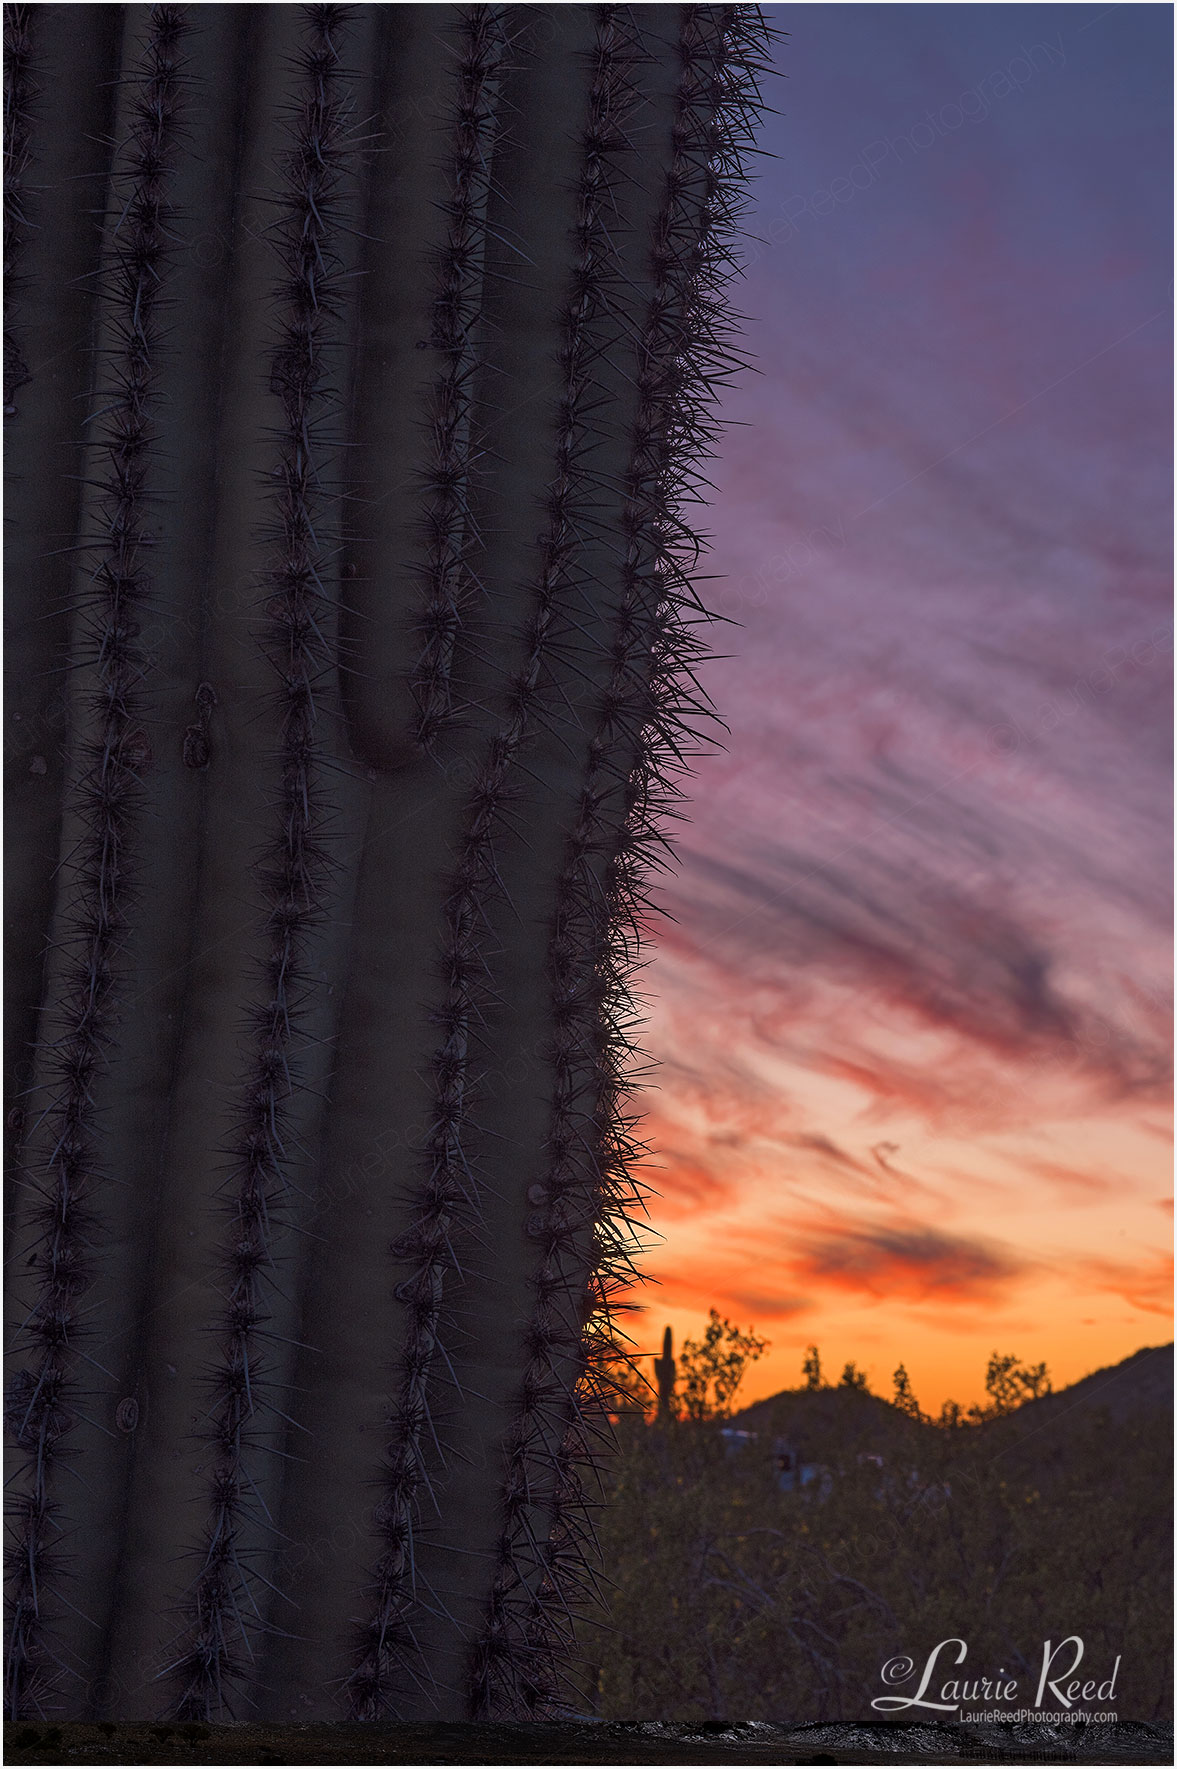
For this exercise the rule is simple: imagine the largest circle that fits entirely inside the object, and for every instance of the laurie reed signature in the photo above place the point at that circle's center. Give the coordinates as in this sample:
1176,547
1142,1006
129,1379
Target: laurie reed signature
958,1692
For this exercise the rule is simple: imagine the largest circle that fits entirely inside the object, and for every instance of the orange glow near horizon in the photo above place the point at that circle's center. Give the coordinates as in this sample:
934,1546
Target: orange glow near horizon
1019,1214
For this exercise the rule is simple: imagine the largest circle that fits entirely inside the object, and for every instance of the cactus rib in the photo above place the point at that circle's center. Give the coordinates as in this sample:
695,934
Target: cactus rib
107,799
450,531
295,866
19,92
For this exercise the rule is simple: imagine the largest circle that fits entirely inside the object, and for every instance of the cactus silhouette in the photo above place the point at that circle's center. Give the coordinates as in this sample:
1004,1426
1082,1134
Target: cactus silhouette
360,374
664,1374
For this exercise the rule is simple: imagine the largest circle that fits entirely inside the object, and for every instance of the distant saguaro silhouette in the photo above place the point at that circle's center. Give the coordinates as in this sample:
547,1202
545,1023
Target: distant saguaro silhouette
664,1372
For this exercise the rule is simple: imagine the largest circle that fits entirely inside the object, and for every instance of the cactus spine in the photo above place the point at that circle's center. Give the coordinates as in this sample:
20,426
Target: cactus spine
381,647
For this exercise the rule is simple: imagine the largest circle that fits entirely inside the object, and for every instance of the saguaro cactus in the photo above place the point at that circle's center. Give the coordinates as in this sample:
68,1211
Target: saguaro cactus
664,1375
360,375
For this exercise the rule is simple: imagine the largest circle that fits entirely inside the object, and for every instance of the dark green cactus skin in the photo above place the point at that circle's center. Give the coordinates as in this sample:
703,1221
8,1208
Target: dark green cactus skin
359,379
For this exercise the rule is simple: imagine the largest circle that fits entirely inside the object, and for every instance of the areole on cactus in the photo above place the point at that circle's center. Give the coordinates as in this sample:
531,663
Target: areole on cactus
360,376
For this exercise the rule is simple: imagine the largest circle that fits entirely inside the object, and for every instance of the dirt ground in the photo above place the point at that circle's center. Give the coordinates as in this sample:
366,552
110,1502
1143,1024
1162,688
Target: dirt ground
640,1742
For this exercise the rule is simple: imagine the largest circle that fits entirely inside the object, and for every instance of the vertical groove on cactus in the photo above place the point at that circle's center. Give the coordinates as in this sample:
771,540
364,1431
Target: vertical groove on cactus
295,866
107,798
19,91
450,532
649,713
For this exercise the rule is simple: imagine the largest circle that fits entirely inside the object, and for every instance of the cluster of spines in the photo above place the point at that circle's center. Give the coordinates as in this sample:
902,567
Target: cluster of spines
106,796
449,531
19,92
448,1202
293,870
513,1667
649,722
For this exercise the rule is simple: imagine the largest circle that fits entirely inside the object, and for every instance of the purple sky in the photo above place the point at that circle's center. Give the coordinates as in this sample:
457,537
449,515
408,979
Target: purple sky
914,1013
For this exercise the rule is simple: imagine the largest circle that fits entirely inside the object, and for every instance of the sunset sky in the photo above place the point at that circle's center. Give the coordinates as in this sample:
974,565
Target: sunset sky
913,1014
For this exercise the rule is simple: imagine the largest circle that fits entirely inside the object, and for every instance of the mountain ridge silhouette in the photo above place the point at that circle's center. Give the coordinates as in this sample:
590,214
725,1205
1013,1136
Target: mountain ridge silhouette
1139,1385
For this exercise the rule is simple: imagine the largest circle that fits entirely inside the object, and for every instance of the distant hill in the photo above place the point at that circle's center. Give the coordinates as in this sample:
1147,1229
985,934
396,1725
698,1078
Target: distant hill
1142,1383
1062,1434
1136,1392
812,1419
